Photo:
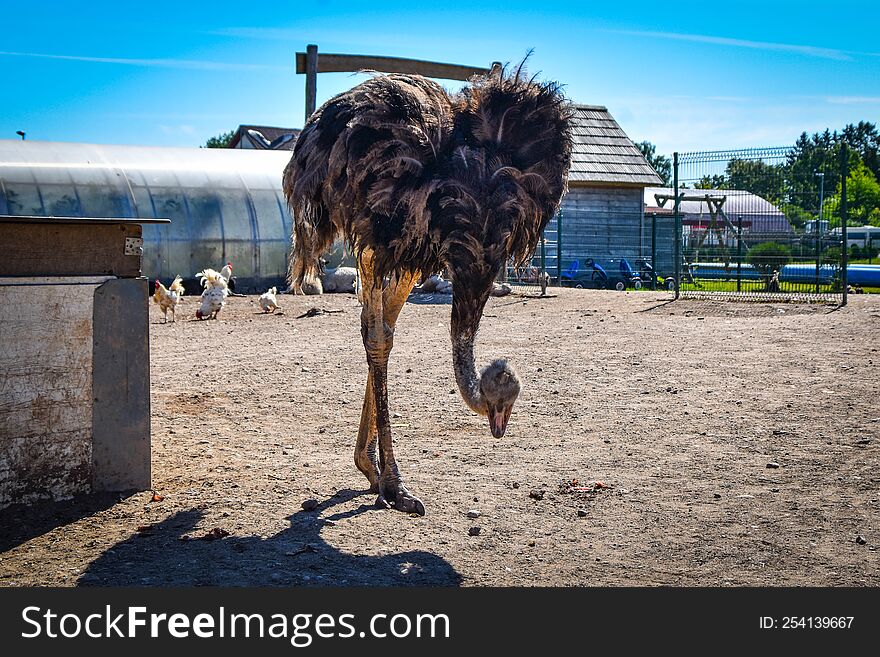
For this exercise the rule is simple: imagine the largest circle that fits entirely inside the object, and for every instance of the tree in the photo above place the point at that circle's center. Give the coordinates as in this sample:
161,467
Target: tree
865,140
768,258
796,215
862,195
220,141
820,153
758,177
715,181
660,163
862,199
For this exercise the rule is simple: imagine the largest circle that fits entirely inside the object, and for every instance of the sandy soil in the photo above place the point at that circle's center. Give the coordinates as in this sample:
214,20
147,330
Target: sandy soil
666,415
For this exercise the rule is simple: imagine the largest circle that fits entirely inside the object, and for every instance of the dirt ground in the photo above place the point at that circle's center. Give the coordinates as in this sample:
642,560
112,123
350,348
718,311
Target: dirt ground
645,427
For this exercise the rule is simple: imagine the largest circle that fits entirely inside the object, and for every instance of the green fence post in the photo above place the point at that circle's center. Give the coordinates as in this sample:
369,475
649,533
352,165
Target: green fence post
559,249
677,223
844,251
653,250
543,254
739,252
818,250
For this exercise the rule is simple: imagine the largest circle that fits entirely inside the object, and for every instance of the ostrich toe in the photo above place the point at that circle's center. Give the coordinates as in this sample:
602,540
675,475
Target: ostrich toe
401,500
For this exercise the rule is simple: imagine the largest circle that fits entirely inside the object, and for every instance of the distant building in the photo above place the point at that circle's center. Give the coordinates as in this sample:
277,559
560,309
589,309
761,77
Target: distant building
266,138
861,236
703,225
603,211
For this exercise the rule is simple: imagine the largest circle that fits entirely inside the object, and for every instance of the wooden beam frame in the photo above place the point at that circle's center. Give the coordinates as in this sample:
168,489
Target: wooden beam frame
310,63
335,63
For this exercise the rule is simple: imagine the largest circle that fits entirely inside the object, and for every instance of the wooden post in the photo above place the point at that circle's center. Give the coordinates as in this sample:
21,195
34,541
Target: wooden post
311,79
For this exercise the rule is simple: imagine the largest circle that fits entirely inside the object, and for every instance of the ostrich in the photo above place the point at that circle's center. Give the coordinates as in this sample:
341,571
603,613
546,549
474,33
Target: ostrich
417,180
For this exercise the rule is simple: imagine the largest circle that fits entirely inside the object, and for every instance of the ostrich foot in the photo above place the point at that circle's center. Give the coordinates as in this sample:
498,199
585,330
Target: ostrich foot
396,496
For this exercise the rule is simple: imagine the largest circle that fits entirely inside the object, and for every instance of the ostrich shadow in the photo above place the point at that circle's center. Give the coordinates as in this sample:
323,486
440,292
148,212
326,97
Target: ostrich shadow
19,523
296,556
429,299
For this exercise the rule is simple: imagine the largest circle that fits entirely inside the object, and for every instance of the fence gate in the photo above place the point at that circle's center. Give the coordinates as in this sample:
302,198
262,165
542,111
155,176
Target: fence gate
543,266
759,224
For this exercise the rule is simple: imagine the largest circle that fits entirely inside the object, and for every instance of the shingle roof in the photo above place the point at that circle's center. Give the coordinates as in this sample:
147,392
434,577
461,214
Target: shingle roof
603,153
272,138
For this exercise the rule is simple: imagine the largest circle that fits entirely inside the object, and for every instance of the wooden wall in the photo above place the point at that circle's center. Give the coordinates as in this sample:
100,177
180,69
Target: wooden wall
609,222
602,222
74,387
45,390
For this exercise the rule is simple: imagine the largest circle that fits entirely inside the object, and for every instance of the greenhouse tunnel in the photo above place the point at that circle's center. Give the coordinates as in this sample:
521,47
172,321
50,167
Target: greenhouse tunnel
224,204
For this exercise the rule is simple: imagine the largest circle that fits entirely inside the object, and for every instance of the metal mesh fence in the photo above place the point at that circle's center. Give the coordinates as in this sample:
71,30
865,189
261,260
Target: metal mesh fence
759,225
600,248
756,224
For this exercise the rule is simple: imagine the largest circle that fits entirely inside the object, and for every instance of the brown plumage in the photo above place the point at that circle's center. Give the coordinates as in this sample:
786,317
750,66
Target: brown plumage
417,180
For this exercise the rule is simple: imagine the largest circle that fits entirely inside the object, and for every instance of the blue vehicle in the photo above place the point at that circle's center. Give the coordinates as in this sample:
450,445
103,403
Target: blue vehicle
611,274
648,276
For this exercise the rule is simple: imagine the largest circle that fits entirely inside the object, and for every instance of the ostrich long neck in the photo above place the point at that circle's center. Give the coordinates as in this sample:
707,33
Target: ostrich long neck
466,372
466,314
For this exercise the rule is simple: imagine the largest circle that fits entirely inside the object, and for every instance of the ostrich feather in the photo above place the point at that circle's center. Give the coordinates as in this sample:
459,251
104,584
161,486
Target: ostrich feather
423,179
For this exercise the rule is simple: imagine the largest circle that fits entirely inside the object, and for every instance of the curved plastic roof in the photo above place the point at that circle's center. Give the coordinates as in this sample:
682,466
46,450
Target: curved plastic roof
224,204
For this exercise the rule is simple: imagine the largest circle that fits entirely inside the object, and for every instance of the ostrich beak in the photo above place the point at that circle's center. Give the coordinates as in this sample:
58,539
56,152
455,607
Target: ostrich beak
498,420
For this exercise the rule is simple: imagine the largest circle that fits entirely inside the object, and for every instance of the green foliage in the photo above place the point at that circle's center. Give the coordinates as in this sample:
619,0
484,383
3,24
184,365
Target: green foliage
768,257
717,181
862,199
221,140
765,180
660,163
865,140
831,256
811,174
796,215
862,195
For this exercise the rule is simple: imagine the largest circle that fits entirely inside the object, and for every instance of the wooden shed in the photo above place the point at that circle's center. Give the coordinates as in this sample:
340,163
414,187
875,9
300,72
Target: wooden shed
74,357
603,212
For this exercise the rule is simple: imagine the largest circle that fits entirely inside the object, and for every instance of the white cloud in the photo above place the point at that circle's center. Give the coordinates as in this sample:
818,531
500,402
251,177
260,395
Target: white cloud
853,100
809,51
190,64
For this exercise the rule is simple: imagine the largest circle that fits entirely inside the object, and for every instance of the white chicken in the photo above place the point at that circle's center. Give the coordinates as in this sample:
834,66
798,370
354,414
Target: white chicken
268,301
169,298
226,273
214,296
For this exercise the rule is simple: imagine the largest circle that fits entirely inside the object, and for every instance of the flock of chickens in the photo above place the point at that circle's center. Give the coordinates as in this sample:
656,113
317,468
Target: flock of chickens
216,286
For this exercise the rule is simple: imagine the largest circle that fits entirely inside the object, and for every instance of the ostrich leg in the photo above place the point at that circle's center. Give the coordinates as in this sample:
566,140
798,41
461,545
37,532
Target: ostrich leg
366,456
378,337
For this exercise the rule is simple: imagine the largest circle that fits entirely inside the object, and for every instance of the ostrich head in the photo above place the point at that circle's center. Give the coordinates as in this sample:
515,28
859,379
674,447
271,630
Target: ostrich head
499,386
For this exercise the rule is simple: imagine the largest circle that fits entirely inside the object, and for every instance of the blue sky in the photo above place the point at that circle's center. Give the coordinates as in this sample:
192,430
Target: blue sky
687,76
